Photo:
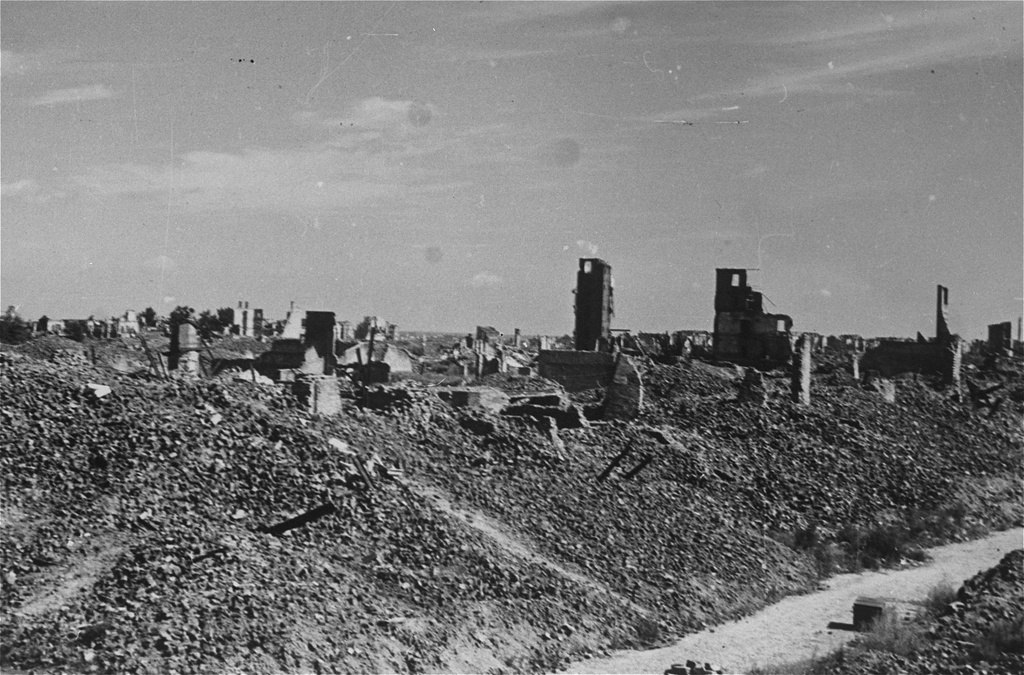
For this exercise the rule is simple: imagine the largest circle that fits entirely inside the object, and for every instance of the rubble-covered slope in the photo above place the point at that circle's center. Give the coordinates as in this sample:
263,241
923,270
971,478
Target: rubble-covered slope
132,523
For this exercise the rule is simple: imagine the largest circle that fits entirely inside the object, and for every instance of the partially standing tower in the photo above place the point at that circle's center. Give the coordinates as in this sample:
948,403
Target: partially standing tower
594,305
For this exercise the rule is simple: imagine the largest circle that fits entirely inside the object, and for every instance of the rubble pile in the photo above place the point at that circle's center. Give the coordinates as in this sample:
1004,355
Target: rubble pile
982,631
136,538
177,525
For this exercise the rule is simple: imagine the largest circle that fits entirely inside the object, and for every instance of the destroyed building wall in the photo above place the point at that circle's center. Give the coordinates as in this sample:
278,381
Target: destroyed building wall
1000,337
319,335
942,313
892,357
941,355
577,370
488,334
294,323
594,305
743,332
398,360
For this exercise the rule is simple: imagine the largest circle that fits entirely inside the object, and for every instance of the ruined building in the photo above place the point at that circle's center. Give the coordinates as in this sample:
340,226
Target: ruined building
247,322
1000,337
744,333
941,355
594,305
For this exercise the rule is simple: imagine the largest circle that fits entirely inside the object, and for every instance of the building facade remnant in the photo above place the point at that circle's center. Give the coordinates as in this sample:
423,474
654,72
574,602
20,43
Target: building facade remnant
743,332
319,335
941,355
1000,337
594,305
942,314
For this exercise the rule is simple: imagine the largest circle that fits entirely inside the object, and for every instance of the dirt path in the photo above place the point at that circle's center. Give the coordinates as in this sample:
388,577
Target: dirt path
797,628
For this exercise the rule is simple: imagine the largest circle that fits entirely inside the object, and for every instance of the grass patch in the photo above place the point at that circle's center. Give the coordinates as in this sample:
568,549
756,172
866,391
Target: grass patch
890,634
938,598
1001,637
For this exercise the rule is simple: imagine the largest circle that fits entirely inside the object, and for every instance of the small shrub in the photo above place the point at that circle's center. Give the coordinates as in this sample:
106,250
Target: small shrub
939,598
889,634
806,538
647,631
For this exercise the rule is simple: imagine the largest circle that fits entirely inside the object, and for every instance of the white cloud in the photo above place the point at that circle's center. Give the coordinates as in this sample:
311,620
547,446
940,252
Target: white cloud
19,187
373,114
28,189
486,279
95,92
587,247
275,180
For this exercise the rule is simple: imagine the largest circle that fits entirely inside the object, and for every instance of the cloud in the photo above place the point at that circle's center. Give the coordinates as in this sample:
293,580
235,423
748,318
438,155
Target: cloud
273,180
373,114
95,92
873,45
587,247
29,190
19,187
486,279
388,150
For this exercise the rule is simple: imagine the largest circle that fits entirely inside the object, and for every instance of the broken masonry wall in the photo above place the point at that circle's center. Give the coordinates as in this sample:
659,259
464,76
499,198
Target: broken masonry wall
752,339
625,393
319,393
743,333
320,336
398,360
594,305
892,358
577,371
1000,337
732,293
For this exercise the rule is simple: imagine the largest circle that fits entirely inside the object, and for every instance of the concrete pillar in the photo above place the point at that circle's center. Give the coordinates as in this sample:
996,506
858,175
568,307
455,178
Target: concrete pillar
801,372
184,352
752,388
953,361
855,360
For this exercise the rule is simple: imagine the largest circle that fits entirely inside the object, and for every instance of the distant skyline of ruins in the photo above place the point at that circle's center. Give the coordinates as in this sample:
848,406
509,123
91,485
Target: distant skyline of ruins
445,165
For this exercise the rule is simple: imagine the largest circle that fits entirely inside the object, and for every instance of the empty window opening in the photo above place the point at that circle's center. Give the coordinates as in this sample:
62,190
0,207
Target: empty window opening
736,280
587,267
781,326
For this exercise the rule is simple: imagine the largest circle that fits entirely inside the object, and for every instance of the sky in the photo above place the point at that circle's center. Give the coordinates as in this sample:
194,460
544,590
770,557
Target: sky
445,165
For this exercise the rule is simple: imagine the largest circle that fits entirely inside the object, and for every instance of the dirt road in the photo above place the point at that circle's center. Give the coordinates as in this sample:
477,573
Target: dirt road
797,627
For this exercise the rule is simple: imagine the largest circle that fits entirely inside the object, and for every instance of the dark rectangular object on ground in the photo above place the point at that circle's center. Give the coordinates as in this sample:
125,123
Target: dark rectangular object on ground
866,611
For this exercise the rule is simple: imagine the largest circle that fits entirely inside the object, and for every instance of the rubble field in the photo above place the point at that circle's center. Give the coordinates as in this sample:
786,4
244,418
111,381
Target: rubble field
215,525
